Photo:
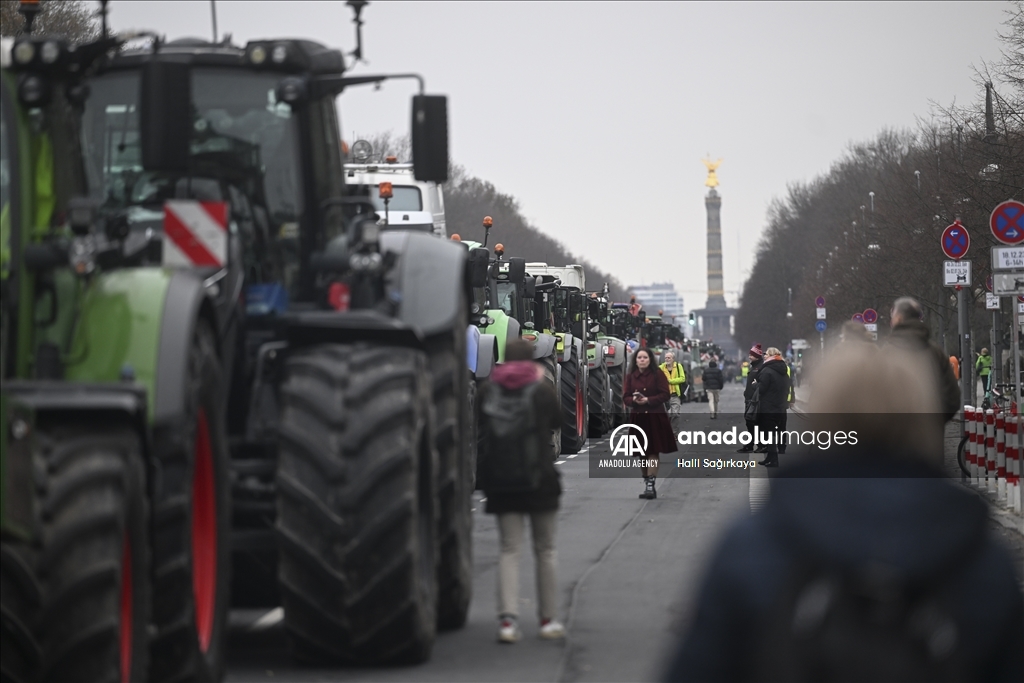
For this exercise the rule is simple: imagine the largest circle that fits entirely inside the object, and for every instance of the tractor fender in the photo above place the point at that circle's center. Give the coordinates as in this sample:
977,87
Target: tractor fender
598,351
428,280
564,348
544,346
472,346
581,351
619,356
185,302
487,356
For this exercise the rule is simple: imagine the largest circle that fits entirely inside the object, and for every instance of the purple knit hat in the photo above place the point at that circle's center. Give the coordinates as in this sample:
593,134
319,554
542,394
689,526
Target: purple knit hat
755,350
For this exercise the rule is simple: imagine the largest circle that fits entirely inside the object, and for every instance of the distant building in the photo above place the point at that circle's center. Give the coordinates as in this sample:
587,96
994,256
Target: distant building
661,296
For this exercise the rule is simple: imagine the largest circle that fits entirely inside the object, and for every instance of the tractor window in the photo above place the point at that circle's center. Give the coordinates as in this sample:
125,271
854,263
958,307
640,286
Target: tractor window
405,198
508,299
242,136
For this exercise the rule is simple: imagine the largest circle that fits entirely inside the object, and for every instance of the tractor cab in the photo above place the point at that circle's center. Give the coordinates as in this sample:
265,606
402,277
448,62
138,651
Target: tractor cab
401,202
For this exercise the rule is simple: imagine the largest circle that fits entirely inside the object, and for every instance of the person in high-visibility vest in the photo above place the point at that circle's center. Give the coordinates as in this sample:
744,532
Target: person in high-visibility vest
676,383
790,400
984,369
744,370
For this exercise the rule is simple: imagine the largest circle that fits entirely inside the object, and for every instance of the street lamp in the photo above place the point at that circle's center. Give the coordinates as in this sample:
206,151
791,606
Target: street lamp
871,195
789,313
917,174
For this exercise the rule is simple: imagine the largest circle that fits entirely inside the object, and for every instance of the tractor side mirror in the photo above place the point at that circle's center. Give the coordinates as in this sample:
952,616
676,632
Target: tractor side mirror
476,267
530,288
516,270
165,116
430,138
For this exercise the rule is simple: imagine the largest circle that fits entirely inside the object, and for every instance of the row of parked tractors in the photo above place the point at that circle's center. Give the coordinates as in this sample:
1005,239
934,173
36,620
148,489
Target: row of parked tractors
239,371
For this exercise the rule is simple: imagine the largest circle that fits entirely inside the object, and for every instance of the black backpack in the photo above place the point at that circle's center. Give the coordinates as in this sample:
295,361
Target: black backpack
863,624
512,451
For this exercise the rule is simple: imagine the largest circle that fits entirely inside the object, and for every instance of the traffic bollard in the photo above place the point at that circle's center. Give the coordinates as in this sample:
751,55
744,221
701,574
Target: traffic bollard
987,467
1012,456
971,425
997,484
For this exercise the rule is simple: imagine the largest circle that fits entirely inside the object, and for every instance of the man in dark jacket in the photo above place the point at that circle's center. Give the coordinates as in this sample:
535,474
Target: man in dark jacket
519,373
910,333
773,399
750,393
713,383
878,526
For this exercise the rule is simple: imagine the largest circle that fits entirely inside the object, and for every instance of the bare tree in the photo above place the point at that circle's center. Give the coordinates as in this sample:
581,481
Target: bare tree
72,20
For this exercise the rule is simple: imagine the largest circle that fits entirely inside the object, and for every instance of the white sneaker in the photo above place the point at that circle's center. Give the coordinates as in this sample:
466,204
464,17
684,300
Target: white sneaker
508,630
552,630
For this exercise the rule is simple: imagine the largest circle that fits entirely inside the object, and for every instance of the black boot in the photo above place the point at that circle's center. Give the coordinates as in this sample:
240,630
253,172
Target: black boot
649,492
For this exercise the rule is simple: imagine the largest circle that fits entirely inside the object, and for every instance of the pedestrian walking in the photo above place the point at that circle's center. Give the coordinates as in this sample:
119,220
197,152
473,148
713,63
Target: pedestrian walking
983,368
865,564
773,397
713,383
910,333
518,410
676,385
645,392
750,396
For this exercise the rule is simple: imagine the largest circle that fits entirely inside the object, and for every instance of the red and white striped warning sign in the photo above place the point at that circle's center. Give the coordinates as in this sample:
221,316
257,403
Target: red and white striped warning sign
195,233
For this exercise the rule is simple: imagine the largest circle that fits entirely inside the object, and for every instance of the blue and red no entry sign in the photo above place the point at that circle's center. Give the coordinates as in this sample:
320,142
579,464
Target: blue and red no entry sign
1007,222
955,241
870,316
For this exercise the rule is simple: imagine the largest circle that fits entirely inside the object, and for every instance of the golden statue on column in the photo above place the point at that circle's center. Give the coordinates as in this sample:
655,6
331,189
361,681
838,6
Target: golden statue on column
712,180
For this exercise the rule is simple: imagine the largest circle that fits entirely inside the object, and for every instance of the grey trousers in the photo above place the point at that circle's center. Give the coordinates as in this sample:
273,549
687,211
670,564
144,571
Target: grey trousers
510,530
713,397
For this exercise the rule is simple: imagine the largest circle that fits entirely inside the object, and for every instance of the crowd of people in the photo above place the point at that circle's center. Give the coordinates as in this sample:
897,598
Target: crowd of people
861,566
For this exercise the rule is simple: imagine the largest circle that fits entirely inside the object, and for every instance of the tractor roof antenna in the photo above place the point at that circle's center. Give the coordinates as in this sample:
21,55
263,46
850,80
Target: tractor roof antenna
213,14
103,19
357,9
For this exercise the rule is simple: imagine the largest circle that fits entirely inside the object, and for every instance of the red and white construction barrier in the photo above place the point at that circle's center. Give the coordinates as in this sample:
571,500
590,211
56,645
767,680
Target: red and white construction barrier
995,453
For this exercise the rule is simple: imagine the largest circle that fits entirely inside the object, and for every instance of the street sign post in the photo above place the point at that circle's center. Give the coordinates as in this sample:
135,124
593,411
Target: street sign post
1007,222
1008,284
858,317
955,241
820,326
871,327
991,302
820,302
800,344
956,273
820,313
870,316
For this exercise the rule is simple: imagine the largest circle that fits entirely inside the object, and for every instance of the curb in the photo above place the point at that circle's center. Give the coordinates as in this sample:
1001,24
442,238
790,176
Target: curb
997,513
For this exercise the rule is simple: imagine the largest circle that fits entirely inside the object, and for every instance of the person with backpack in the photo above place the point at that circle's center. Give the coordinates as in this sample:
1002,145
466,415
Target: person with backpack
713,383
518,410
867,563
645,392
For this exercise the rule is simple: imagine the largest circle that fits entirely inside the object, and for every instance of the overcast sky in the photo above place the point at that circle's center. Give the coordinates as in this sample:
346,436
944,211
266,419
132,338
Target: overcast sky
596,115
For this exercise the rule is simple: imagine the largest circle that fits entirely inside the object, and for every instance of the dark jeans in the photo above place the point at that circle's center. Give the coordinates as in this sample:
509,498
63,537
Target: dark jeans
782,428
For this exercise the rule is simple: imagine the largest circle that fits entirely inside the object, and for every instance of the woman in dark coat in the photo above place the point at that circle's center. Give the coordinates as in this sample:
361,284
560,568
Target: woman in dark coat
773,392
645,392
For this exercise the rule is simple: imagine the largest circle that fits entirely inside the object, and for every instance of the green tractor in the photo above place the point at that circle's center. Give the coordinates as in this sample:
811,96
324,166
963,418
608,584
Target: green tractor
115,480
343,458
563,309
607,368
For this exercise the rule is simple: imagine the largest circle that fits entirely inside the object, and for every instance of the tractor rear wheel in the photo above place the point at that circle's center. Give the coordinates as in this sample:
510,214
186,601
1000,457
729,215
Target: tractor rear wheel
357,517
597,398
615,377
574,405
191,522
453,433
76,606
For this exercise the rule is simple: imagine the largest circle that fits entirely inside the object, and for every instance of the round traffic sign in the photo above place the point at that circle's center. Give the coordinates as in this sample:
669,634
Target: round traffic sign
1020,298
955,241
857,317
870,316
1007,222
820,326
988,282
820,302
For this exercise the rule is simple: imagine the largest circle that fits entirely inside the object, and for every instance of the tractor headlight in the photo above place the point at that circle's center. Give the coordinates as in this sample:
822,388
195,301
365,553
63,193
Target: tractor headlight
258,55
279,54
24,52
49,52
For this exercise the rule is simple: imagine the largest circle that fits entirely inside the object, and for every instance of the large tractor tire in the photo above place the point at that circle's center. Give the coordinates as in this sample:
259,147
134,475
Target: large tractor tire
191,522
574,405
456,453
615,379
76,606
597,400
552,373
357,513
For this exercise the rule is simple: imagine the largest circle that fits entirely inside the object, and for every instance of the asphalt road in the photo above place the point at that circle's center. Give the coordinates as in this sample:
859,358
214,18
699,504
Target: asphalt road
627,574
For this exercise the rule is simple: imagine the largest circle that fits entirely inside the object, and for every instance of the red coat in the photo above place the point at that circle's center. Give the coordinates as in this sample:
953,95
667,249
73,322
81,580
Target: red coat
650,417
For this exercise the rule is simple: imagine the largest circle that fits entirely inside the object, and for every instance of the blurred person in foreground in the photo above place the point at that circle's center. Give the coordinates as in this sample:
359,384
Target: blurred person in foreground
518,408
853,331
910,333
866,564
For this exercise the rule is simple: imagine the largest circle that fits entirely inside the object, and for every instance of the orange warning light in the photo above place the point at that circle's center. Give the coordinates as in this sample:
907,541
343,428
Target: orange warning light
488,221
456,237
385,190
499,248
